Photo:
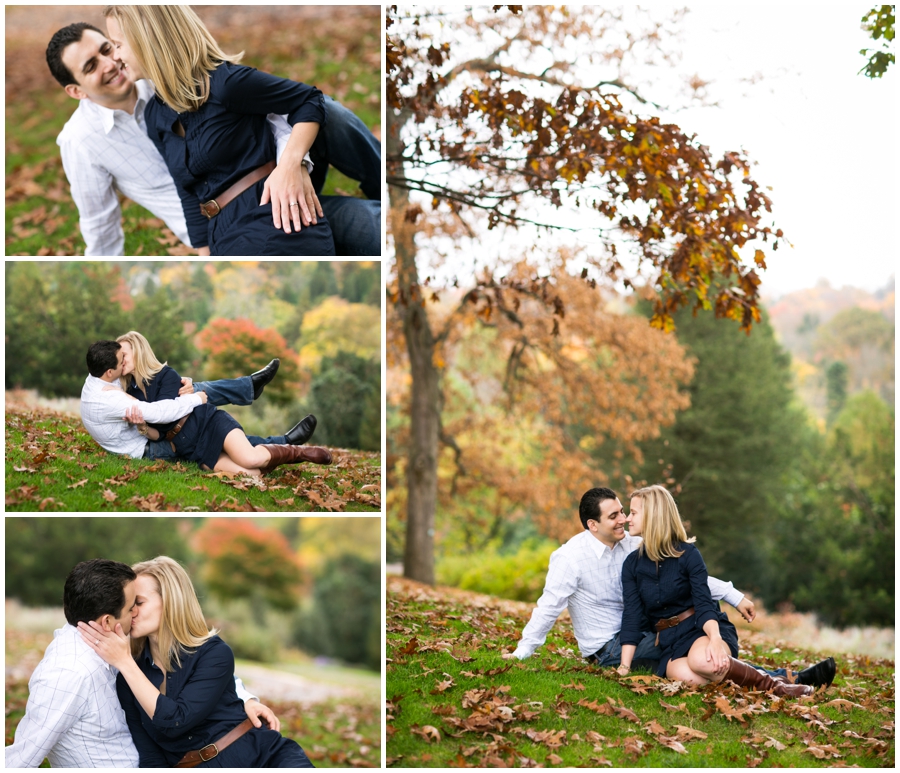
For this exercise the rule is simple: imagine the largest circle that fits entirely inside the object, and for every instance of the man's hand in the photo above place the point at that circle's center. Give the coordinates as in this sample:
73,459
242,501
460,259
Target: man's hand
187,386
203,252
747,610
203,397
134,416
256,712
508,655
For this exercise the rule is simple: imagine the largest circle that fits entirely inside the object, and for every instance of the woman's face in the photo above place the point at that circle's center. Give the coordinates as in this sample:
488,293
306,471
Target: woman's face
148,607
122,51
128,358
636,516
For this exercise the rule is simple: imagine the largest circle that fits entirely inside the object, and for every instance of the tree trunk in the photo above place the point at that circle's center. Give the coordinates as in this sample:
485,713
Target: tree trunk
421,470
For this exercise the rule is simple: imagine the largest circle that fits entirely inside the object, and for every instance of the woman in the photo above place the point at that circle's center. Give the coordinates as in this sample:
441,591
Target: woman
208,121
208,436
176,682
665,580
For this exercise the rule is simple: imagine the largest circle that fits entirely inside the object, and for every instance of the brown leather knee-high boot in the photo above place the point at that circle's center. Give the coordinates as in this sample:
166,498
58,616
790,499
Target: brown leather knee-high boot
744,675
285,454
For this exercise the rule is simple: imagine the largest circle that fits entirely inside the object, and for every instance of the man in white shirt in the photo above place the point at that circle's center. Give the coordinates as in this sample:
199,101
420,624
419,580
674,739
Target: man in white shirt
73,716
105,149
585,575
105,407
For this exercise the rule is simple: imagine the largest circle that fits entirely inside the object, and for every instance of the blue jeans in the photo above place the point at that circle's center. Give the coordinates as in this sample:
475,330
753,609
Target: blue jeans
355,224
224,391
610,654
347,144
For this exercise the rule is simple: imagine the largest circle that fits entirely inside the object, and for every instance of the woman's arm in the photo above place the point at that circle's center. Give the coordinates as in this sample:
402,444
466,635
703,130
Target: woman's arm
284,186
151,753
626,658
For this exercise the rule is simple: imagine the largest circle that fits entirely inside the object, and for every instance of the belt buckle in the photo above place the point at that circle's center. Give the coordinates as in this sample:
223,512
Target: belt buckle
673,621
208,204
215,752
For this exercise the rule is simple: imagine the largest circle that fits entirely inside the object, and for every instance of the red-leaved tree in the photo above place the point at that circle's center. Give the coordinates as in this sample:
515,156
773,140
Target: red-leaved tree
237,347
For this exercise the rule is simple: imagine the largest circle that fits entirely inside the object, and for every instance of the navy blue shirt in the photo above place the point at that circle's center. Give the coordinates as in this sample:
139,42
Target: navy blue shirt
227,137
653,592
199,707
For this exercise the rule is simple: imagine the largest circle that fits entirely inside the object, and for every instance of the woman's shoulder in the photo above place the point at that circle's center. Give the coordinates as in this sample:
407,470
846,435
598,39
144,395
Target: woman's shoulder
214,649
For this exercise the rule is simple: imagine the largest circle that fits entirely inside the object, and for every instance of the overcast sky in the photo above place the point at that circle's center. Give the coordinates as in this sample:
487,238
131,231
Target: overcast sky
824,137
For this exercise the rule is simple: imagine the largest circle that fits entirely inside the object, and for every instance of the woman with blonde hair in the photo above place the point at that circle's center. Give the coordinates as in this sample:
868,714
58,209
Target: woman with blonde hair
208,121
176,682
664,582
212,438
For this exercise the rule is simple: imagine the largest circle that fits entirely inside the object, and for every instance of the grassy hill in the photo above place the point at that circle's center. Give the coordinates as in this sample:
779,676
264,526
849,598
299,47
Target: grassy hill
52,464
452,701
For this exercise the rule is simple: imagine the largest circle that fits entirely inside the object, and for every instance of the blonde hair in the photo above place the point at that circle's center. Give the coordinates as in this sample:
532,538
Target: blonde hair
174,50
146,366
661,527
181,625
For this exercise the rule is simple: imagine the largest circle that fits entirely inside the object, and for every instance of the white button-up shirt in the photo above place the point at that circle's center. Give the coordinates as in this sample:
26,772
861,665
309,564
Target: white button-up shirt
586,576
105,151
103,415
73,716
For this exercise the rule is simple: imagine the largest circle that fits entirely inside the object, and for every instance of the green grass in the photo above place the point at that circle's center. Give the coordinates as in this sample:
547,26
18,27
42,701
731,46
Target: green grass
340,54
61,468
453,701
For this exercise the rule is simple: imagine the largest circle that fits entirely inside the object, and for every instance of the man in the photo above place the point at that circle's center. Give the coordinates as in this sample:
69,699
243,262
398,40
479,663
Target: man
118,423
585,575
105,149
73,716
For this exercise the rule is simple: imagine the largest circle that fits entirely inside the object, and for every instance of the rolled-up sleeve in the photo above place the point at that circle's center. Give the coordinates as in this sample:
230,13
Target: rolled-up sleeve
202,692
247,90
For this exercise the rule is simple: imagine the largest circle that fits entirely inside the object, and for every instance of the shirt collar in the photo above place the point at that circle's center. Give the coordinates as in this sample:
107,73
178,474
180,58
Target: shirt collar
107,115
95,384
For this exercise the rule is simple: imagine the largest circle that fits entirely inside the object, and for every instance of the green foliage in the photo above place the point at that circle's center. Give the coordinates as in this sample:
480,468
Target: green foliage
879,23
518,575
836,552
835,388
246,561
730,452
346,398
344,619
40,552
55,311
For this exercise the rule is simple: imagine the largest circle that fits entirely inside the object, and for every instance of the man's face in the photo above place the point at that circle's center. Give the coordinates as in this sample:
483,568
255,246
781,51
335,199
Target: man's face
609,527
109,622
635,516
98,75
120,365
121,50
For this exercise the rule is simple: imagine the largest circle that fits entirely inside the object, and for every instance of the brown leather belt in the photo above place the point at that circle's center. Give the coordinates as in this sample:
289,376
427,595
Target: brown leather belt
193,759
671,622
177,428
214,206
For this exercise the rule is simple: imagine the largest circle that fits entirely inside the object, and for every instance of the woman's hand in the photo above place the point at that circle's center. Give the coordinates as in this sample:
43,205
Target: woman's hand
290,203
113,646
203,252
747,609
259,713
187,387
718,654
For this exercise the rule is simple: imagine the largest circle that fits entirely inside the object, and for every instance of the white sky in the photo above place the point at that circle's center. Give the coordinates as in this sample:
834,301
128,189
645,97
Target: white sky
825,138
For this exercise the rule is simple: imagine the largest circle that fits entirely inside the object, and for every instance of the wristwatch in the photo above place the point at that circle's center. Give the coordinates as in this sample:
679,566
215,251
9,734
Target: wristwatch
142,428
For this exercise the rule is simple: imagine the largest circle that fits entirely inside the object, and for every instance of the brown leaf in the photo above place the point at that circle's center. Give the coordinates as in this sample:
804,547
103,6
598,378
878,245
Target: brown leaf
80,483
109,495
670,707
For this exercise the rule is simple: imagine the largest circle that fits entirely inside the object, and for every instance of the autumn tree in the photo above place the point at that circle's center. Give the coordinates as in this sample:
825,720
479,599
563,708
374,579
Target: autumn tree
237,347
879,22
245,561
522,116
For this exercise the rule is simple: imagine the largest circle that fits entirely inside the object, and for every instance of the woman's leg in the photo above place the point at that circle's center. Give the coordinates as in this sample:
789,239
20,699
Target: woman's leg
226,464
694,669
242,453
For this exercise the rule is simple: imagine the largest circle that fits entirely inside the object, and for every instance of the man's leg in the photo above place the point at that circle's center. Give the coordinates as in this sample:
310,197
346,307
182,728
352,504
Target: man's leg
355,223
160,449
227,391
350,147
646,655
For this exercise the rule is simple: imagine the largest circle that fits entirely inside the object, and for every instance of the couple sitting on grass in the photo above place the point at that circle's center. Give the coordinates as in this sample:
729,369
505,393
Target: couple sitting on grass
644,598
156,414
136,678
